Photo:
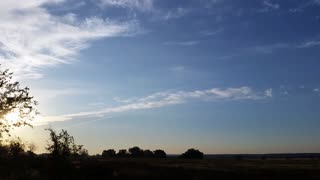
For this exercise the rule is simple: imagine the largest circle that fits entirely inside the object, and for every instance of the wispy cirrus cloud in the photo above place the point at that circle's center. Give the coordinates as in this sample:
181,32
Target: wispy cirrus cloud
167,98
211,32
178,69
32,39
309,44
142,5
176,13
304,5
272,48
259,49
277,46
181,43
269,6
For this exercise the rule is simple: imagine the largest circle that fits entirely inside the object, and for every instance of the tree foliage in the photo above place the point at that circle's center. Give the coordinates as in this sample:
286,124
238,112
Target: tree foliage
122,153
63,145
136,152
159,153
192,154
147,153
16,147
108,153
14,99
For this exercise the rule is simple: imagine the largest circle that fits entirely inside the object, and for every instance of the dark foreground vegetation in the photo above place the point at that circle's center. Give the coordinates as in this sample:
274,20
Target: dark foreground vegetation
41,167
66,160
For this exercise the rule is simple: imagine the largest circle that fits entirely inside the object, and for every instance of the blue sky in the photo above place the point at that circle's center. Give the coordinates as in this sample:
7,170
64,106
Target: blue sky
218,75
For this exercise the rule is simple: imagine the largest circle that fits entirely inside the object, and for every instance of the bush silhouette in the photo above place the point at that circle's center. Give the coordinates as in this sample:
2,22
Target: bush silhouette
108,153
192,154
159,153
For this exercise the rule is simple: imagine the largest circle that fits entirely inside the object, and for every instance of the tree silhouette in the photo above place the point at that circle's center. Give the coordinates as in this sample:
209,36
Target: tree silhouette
108,153
4,150
136,152
122,153
192,154
147,153
63,145
14,99
16,147
83,152
159,153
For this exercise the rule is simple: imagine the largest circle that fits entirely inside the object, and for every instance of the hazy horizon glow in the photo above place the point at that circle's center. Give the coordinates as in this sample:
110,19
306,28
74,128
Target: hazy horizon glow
217,75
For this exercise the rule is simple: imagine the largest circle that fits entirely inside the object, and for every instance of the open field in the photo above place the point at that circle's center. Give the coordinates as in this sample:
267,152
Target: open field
170,168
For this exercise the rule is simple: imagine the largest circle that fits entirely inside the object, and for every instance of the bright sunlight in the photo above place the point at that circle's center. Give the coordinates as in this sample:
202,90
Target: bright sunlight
12,117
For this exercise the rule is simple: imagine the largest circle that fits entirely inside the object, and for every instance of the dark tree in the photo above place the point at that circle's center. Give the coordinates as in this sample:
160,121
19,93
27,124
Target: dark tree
108,153
14,99
147,153
16,147
83,153
122,153
136,152
159,153
4,150
192,154
63,145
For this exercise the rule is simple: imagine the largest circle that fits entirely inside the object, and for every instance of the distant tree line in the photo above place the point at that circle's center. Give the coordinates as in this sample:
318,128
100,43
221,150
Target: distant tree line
61,145
137,152
134,152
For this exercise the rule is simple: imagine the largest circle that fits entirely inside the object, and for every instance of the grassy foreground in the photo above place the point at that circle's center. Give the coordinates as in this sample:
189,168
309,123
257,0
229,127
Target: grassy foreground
170,168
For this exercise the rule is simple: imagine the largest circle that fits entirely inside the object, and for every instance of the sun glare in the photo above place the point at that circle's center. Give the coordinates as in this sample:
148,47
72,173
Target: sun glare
12,117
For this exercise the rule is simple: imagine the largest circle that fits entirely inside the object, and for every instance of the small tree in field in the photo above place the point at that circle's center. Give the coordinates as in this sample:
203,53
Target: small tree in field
62,145
192,154
159,153
14,101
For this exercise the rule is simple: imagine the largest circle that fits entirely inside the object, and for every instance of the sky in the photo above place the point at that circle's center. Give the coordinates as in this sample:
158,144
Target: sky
220,76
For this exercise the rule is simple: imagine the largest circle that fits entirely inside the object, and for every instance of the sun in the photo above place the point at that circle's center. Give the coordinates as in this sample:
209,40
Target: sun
12,117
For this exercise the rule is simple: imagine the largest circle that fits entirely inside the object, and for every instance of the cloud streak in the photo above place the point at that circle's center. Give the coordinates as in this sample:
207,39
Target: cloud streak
142,5
310,44
166,98
271,48
269,6
181,43
32,39
175,14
